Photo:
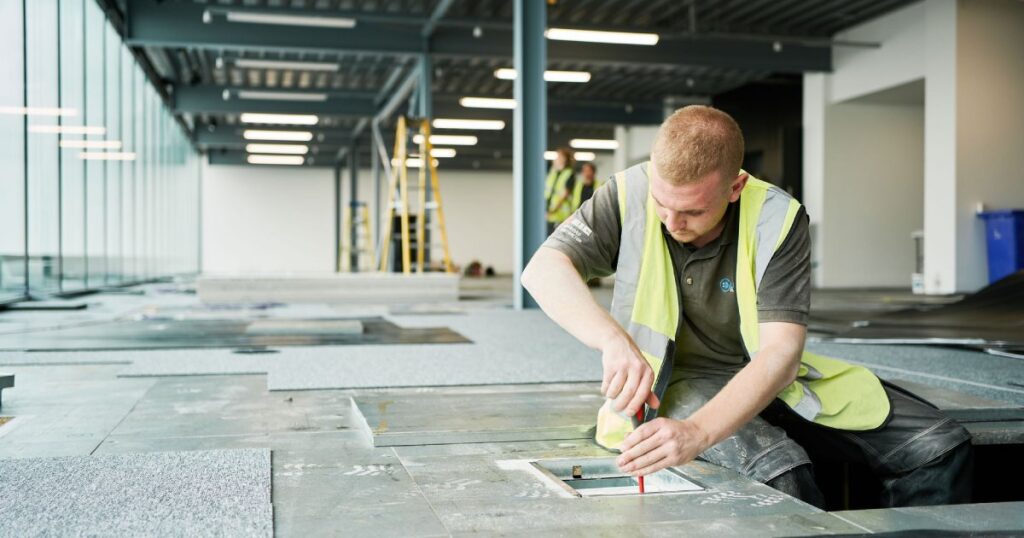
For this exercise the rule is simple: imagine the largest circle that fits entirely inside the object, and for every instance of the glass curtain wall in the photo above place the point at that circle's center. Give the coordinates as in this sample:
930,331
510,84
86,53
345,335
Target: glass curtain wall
99,185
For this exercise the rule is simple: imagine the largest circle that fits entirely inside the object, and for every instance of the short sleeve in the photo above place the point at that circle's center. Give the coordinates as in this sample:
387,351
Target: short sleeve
590,237
785,290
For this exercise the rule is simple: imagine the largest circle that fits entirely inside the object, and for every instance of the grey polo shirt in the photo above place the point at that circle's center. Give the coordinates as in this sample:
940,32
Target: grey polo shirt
708,341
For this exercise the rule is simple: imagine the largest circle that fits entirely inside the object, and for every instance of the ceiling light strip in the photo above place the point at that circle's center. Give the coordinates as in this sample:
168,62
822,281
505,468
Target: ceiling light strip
488,102
279,119
284,136
289,160
597,36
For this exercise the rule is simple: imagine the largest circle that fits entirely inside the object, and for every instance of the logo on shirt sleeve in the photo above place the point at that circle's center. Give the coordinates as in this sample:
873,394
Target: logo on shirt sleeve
727,286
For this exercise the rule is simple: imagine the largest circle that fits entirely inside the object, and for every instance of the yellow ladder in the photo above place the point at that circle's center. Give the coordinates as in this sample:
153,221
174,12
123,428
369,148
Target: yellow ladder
364,238
398,199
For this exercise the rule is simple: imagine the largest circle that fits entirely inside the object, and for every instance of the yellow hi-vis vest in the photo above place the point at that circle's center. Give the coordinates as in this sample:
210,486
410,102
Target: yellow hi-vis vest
553,190
647,304
577,192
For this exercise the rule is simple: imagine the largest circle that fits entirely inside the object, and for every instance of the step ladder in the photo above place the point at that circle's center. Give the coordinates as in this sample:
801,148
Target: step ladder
427,191
364,238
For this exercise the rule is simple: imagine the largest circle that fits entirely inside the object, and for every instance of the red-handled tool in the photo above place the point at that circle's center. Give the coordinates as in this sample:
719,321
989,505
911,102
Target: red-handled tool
640,420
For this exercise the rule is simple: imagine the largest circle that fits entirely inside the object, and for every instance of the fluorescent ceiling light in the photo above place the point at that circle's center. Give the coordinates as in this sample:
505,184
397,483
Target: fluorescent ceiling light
91,144
589,143
412,162
38,111
106,156
595,36
487,102
281,119
290,20
448,140
68,129
290,149
281,96
289,136
443,153
507,73
581,156
483,125
245,63
291,160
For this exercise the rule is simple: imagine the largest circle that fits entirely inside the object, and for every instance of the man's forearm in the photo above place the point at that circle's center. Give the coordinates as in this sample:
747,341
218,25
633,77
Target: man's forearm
553,282
748,392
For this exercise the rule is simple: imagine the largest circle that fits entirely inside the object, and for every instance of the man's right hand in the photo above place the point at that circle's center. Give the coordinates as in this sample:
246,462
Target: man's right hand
627,376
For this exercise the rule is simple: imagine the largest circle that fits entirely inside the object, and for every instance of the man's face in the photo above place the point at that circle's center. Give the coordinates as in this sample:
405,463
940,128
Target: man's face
690,211
588,173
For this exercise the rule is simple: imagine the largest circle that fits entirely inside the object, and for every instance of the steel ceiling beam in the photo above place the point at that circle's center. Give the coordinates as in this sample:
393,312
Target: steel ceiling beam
179,24
209,99
235,157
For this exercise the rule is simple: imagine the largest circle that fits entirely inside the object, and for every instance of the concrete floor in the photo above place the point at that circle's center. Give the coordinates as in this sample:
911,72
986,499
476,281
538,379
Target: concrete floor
418,460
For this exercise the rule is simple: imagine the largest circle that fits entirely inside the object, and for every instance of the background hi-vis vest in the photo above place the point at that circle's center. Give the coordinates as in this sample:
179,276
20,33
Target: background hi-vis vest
553,190
646,302
577,192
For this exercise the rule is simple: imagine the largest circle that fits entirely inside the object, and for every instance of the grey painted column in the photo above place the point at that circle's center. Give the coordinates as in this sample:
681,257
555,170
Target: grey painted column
375,173
337,217
529,138
353,205
425,97
425,85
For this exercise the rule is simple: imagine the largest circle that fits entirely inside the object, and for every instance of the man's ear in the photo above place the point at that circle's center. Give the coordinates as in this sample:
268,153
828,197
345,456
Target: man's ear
737,186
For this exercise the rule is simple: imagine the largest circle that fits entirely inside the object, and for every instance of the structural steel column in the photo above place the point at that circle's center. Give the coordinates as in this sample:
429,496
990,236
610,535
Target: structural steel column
375,173
425,87
353,206
337,218
529,137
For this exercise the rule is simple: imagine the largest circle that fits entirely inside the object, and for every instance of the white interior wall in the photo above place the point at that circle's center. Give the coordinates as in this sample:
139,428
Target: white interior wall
967,52
864,154
478,210
940,244
873,179
990,124
272,219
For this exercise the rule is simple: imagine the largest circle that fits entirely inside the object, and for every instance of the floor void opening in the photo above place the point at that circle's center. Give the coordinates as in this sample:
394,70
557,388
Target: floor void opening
593,477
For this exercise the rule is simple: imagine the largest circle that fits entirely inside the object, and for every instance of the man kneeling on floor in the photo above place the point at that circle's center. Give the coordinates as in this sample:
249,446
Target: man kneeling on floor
707,327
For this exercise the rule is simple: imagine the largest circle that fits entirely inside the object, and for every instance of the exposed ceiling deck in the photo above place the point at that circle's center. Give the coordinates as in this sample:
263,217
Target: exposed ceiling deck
210,67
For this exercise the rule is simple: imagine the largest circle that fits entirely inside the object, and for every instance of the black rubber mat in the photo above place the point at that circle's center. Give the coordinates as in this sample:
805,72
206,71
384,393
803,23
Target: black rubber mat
991,318
187,334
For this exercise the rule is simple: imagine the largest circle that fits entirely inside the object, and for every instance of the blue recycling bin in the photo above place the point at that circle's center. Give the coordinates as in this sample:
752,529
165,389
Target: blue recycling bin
1004,235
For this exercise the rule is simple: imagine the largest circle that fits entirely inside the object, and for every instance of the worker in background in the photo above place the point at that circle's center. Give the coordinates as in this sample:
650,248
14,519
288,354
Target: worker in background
585,185
559,188
707,326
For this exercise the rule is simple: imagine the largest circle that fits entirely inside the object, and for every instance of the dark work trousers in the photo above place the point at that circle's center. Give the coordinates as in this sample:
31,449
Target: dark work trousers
920,456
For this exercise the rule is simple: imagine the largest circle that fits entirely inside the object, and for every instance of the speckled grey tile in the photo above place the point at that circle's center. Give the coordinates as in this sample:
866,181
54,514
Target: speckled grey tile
981,518
493,493
205,493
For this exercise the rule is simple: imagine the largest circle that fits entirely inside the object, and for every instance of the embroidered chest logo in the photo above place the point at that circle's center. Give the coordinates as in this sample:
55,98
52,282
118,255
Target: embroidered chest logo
727,286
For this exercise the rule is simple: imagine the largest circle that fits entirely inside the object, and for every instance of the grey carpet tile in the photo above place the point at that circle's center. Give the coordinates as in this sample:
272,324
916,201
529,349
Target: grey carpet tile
509,347
202,493
435,365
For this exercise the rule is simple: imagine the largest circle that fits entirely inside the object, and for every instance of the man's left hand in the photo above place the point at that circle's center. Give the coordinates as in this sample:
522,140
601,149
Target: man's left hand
661,443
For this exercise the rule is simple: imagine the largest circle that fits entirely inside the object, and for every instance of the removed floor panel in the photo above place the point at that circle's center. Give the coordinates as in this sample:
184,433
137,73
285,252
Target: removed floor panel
348,288
481,414
223,333
994,316
203,493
